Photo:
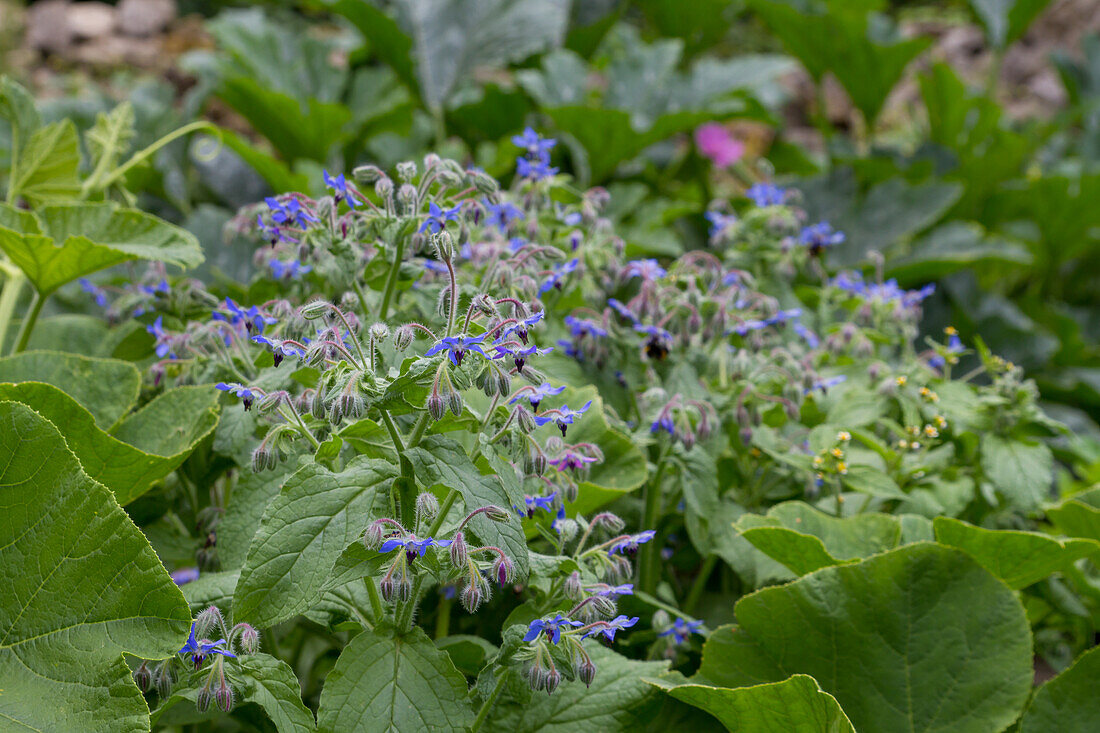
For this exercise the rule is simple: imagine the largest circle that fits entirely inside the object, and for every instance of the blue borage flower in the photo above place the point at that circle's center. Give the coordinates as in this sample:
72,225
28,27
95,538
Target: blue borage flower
720,222
681,630
164,343
766,194
629,543
622,310
663,422
535,168
885,292
438,218
562,416
290,213
160,287
519,354
825,384
806,334
572,460
519,328
781,317
339,186
581,327
457,347
183,576
551,628
97,293
954,346
820,235
649,270
201,649
247,394
533,143
281,348
502,214
291,270
610,591
608,628
252,319
534,503
558,274
412,544
535,394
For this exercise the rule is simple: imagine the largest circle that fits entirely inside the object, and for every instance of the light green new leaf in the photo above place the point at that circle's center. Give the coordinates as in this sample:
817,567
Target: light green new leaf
147,446
878,635
107,388
1068,703
1021,472
79,239
795,705
1017,558
17,107
81,585
48,165
301,535
1006,20
618,700
384,683
110,137
440,461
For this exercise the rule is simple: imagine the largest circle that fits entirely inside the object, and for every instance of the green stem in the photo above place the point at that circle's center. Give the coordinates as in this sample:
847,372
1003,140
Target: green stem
647,565
375,600
700,583
391,279
418,429
362,298
302,425
443,619
487,706
9,298
395,436
28,323
141,155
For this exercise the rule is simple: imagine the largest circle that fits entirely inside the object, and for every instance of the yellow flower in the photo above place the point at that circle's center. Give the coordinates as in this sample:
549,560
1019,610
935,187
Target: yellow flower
941,423
951,331
931,432
842,467
844,436
900,381
837,453
818,461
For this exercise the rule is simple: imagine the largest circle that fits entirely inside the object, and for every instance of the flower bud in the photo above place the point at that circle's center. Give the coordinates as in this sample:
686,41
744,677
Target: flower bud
586,672
436,407
209,623
570,491
406,170
573,588
404,589
406,199
503,569
568,529
387,588
314,309
427,506
223,696
444,245
497,514
318,408
163,679
372,538
472,596
403,337
384,188
366,174
454,402
536,677
483,182
458,549
262,458
143,677
250,639
604,606
552,681
746,435
524,418
203,699
611,522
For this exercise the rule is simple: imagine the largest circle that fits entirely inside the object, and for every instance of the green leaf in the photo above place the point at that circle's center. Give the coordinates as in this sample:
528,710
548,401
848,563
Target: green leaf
146,447
805,539
954,246
1021,472
48,166
795,705
277,174
440,461
1068,703
301,535
618,700
839,39
82,586
107,388
384,683
878,635
79,239
867,480
1077,517
251,495
110,136
17,107
1017,558
1006,20
272,684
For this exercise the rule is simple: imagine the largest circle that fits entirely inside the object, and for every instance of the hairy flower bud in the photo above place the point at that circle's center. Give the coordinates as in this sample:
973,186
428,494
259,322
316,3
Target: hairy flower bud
384,188
406,170
223,697
483,182
404,589
611,522
586,671
552,681
568,528
524,418
387,587
367,174
444,245
570,491
406,199
209,622
436,406
250,639
503,569
472,597
263,458
163,679
604,606
427,506
454,402
315,309
203,699
143,677
372,538
497,514
458,550
573,588
403,337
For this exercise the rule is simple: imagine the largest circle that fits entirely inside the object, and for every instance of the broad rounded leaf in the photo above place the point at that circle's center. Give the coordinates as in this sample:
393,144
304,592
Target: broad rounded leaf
107,388
1017,558
81,585
1022,472
384,683
303,531
795,705
1068,703
878,636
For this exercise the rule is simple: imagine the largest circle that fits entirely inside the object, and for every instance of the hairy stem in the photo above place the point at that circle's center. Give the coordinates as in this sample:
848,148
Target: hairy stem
28,323
487,706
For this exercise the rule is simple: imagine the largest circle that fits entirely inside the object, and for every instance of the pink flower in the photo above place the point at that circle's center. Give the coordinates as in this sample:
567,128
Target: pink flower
715,142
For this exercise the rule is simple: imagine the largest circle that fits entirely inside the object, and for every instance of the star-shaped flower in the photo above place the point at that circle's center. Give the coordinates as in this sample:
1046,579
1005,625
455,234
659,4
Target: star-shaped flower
457,347
438,218
562,416
339,186
551,628
201,649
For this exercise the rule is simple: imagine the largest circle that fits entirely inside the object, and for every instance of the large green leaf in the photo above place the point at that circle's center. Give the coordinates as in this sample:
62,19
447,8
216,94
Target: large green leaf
277,174
878,635
402,683
79,239
805,539
107,388
1006,20
1017,558
1068,703
1022,472
951,247
618,700
795,705
1078,516
251,495
146,447
48,165
440,461
81,585
830,37
301,535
